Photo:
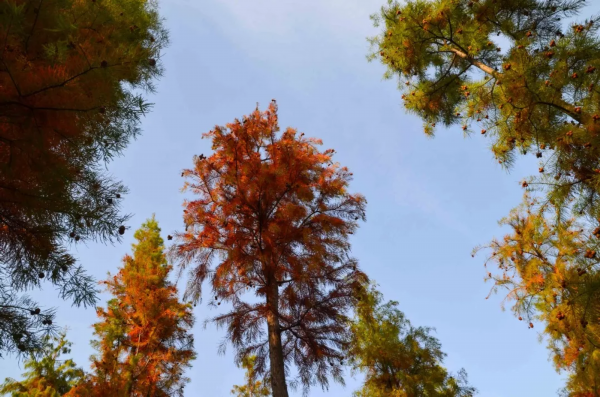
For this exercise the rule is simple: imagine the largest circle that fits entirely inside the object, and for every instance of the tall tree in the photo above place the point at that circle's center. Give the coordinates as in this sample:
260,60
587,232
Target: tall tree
398,359
47,375
144,343
70,74
253,386
276,213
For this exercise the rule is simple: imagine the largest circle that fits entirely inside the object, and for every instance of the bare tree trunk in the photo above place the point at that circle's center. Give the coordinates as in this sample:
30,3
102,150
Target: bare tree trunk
278,384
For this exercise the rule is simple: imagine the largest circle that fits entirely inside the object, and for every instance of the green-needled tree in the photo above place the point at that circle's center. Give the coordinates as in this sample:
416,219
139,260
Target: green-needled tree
143,344
72,81
398,359
47,374
549,271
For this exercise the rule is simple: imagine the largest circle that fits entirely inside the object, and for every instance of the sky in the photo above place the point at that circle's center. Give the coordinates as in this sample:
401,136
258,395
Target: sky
430,201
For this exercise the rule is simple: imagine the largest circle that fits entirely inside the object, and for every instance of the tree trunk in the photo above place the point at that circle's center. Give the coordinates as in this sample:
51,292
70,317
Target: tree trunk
278,384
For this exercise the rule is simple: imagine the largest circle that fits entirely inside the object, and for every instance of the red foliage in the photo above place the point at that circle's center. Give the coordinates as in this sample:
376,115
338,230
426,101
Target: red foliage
276,213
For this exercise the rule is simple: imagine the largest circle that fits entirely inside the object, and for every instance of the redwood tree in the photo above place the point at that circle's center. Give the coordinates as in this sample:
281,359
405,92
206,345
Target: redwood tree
144,343
269,230
68,71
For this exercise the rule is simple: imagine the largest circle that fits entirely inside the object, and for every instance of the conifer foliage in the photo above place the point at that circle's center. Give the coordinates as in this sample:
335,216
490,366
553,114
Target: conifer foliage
399,360
144,343
549,271
275,215
47,375
510,68
535,93
67,73
253,386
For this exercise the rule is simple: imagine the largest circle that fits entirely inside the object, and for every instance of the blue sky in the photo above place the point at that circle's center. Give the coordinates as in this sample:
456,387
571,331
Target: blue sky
430,201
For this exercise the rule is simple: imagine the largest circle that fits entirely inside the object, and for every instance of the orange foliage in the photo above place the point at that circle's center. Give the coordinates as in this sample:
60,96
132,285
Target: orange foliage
276,213
144,345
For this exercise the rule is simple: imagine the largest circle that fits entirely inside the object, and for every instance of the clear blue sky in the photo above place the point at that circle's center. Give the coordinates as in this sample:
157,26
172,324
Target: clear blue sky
429,201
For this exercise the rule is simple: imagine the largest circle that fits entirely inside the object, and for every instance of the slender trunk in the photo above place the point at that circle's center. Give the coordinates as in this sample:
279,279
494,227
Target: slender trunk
278,384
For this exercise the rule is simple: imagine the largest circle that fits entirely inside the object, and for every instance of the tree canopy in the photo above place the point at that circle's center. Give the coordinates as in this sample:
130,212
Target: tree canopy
70,78
275,215
516,70
549,271
47,375
398,359
511,69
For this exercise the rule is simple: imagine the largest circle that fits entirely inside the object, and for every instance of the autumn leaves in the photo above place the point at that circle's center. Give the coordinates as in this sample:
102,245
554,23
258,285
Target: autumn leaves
538,96
274,213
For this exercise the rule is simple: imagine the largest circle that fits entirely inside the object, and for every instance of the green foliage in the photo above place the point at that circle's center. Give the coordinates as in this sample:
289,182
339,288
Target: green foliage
537,93
72,78
253,387
399,360
47,375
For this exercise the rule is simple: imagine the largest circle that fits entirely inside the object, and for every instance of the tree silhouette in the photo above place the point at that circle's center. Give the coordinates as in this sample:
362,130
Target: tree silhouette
399,360
70,71
276,214
144,342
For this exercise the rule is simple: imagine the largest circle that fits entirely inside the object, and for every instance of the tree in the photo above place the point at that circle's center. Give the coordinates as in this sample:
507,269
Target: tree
253,387
144,342
276,213
540,95
70,71
550,272
398,359
47,376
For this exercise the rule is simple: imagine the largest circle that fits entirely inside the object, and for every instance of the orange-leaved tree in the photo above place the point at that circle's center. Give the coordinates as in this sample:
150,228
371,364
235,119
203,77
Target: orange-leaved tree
549,271
275,215
68,70
144,341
